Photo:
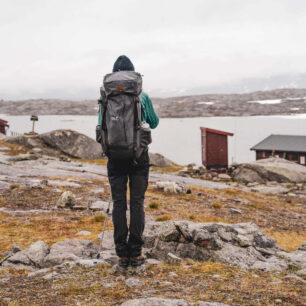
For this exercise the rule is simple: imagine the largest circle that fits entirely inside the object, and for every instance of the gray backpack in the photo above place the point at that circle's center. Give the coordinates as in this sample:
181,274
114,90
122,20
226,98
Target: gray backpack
120,134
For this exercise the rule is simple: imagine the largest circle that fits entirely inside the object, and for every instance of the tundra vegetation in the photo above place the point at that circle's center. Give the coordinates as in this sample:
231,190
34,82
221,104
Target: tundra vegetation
29,213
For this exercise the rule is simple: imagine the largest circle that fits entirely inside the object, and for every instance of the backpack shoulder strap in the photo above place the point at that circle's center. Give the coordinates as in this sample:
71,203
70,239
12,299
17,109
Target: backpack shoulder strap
103,102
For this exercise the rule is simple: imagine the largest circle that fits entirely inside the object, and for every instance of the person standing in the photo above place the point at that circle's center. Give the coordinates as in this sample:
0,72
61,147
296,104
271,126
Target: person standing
126,170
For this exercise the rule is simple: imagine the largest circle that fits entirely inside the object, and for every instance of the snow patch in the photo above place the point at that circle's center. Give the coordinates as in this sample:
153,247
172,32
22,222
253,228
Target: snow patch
207,103
267,101
294,99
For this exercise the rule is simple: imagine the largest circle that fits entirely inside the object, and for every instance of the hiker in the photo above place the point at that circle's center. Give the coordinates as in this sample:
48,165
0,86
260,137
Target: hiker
126,116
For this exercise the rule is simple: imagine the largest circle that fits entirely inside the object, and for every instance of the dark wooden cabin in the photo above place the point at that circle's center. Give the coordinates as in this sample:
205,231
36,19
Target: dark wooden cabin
291,147
214,148
3,126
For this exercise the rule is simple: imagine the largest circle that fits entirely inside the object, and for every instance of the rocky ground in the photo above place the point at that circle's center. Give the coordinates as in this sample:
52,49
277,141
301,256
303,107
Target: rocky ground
206,241
292,101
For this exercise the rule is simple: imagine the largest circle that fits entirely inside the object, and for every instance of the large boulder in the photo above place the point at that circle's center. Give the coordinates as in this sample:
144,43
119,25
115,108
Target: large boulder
68,142
159,160
73,143
270,169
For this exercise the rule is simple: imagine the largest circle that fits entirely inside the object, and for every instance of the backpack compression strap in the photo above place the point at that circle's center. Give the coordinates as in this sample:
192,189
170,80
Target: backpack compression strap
137,124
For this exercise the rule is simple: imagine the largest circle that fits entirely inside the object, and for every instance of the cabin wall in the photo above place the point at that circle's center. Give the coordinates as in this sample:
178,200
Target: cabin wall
297,157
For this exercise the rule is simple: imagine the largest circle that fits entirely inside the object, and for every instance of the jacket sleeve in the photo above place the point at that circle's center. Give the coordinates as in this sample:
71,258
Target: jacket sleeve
148,113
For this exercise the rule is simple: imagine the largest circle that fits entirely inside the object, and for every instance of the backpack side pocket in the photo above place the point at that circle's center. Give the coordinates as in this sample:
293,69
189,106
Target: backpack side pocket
98,133
145,140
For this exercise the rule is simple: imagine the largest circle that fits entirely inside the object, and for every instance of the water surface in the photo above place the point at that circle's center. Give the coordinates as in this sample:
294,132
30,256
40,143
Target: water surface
179,139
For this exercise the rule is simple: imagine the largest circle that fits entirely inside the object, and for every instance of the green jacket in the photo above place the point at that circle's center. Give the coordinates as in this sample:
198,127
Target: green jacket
148,114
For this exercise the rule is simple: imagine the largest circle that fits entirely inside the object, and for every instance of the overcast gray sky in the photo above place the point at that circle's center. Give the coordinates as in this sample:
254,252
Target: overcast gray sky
60,48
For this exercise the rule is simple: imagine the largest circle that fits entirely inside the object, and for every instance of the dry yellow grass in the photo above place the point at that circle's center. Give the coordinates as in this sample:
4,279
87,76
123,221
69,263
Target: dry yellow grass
49,228
100,161
13,149
288,240
174,168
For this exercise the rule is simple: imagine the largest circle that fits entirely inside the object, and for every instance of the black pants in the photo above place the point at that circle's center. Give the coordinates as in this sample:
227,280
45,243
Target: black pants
119,171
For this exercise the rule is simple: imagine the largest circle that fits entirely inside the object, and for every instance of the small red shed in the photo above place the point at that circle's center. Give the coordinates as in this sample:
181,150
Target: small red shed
214,148
3,126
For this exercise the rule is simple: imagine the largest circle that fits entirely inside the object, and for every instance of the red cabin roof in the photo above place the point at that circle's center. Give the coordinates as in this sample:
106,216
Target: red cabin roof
216,131
3,122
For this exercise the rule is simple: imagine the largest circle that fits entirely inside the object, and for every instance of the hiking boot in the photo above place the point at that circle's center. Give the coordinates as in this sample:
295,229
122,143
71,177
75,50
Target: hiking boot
137,261
123,262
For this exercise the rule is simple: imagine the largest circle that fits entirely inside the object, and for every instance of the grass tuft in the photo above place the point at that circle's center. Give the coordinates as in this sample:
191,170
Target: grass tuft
99,218
154,205
14,186
163,218
217,205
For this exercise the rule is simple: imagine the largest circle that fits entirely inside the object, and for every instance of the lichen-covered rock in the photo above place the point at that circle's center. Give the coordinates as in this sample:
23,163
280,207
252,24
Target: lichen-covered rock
272,263
173,259
71,250
243,245
32,256
295,259
101,206
201,303
171,187
134,282
22,157
68,142
91,263
67,199
159,160
303,246
73,143
270,169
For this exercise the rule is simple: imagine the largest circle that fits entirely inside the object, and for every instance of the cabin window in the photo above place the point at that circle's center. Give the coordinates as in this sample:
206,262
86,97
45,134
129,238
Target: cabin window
302,160
294,157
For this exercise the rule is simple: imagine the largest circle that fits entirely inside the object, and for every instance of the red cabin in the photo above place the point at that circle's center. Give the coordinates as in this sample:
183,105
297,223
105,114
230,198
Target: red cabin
214,148
3,126
291,147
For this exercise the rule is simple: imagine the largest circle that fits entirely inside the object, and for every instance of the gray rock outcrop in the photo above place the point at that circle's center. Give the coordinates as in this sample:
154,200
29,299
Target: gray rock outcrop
68,142
33,256
243,245
270,169
39,255
159,160
70,250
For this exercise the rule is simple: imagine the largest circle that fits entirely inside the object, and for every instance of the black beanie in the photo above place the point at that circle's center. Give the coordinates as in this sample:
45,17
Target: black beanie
123,63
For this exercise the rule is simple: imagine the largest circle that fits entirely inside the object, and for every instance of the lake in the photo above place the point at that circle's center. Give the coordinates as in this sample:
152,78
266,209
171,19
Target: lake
179,138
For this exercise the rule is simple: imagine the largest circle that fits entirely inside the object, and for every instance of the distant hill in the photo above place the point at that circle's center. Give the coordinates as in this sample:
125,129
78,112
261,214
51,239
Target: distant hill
271,102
